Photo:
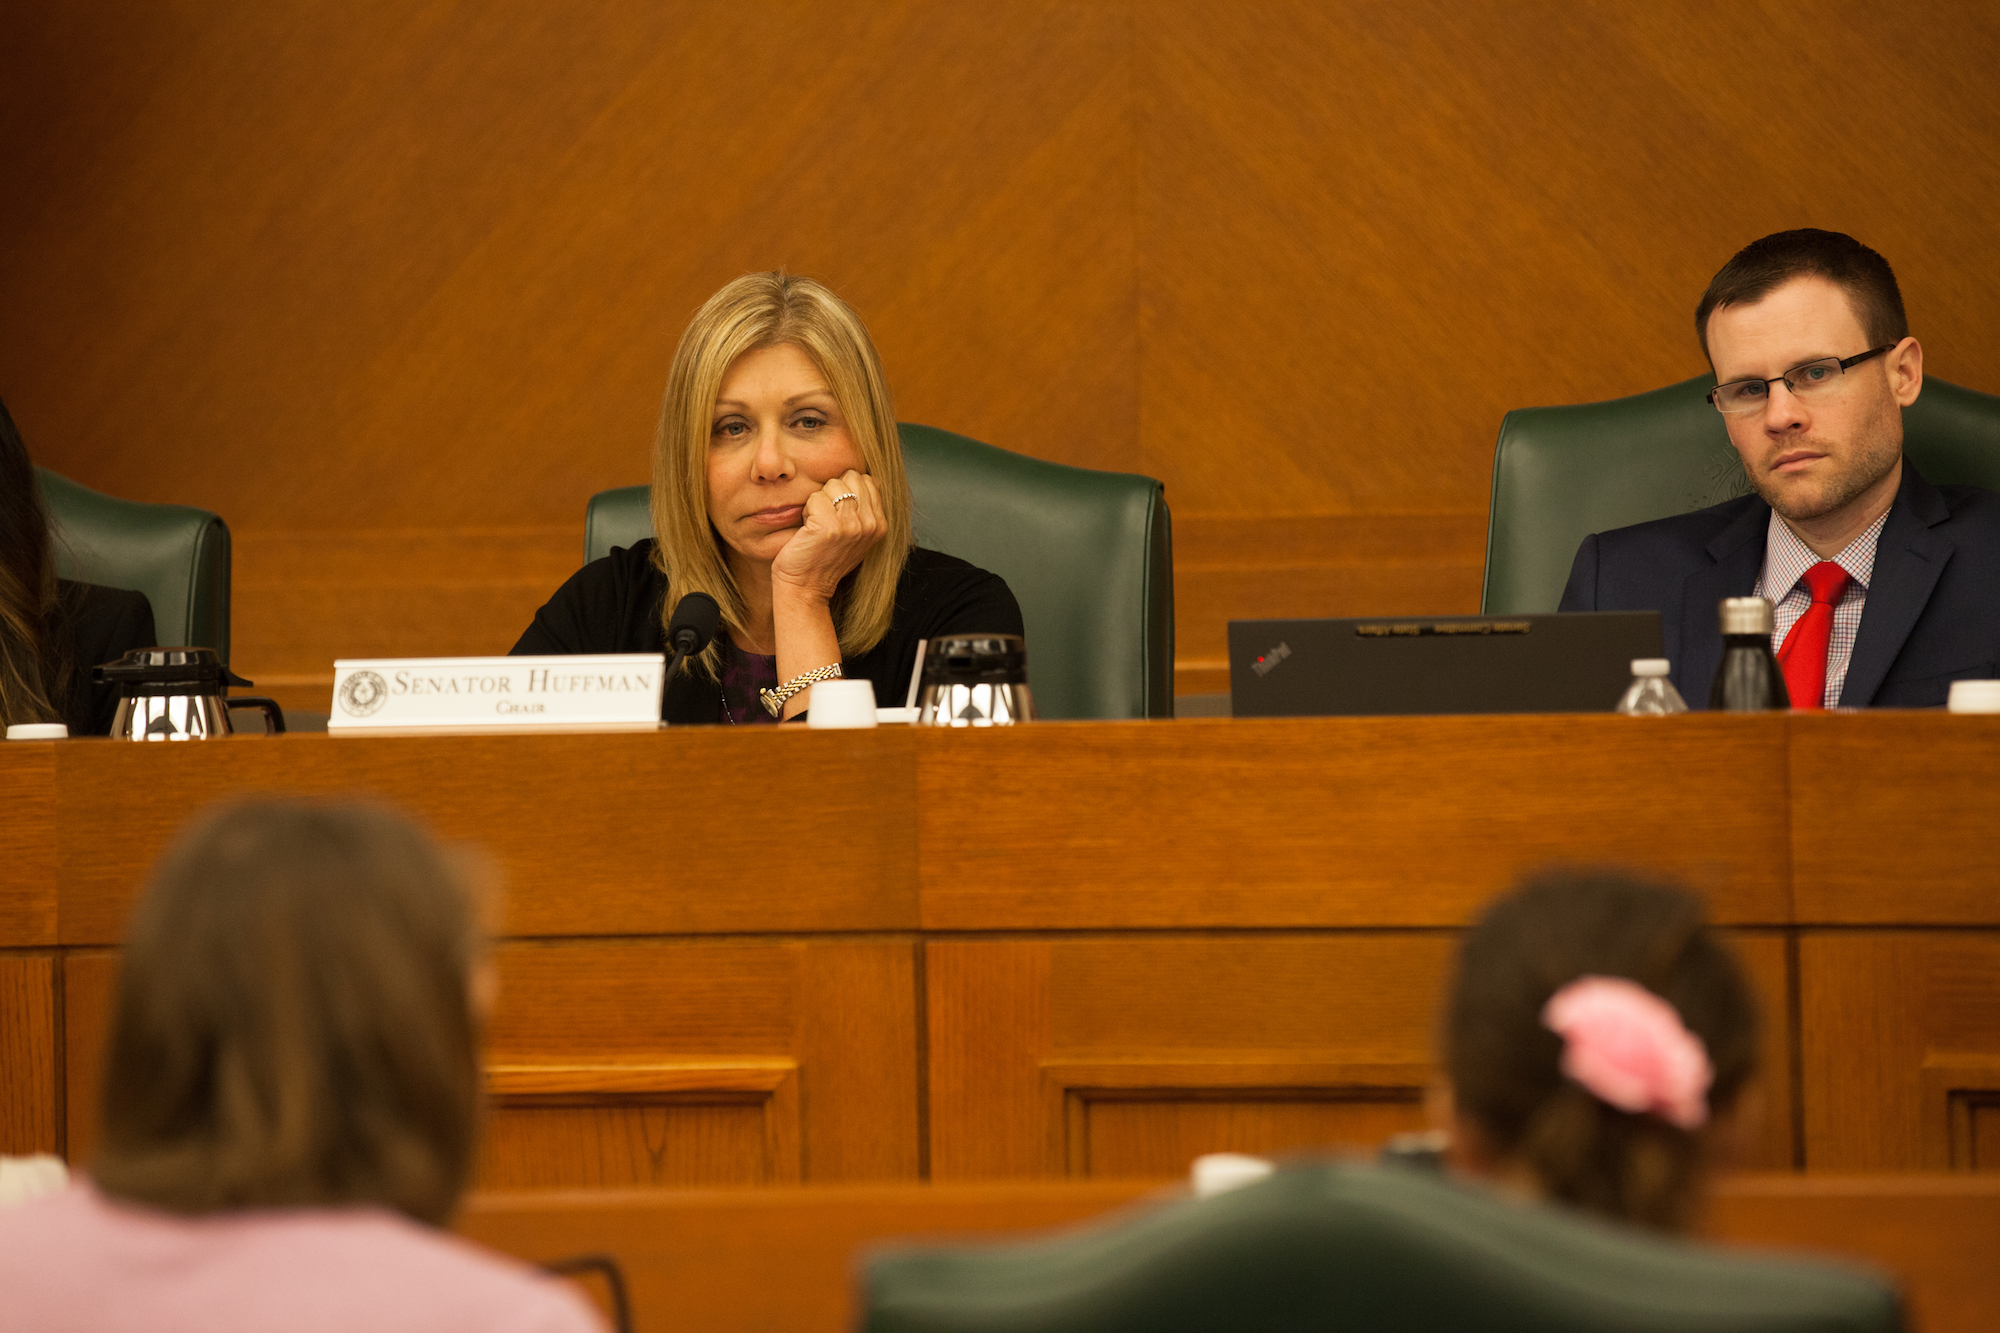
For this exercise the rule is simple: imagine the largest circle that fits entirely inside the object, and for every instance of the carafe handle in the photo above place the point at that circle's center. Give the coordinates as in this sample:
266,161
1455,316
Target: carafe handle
273,715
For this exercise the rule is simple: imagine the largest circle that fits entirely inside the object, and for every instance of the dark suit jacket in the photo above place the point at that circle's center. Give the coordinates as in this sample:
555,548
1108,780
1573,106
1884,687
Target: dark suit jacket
100,625
1933,609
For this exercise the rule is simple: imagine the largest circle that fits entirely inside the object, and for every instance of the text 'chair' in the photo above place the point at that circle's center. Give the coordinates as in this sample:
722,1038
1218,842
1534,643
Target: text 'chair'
1381,1249
176,555
1562,473
1089,556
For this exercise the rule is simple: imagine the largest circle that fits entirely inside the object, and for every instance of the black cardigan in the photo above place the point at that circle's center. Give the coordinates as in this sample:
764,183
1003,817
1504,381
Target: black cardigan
613,606
101,625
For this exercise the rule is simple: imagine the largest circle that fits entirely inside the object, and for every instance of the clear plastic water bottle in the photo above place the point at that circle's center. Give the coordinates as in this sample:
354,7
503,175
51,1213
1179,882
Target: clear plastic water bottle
1651,694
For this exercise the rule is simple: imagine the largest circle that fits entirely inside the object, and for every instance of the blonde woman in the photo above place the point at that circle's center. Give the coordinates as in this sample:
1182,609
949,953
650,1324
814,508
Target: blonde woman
778,490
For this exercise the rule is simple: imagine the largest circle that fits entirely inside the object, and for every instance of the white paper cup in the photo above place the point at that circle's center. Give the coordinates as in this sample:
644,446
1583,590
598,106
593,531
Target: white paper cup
841,704
38,731
1974,696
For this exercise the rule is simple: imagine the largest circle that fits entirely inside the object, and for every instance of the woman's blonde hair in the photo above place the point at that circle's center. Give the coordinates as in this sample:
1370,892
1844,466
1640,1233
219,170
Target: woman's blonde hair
766,310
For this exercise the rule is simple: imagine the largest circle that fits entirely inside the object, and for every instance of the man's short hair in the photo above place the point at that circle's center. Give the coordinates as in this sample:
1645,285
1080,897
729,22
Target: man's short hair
1761,267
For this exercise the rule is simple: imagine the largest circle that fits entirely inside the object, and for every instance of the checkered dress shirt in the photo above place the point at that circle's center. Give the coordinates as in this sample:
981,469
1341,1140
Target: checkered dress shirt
1786,559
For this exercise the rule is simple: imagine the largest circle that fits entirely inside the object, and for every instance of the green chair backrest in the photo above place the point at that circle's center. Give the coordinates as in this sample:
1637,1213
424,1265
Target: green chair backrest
1383,1249
1088,554
1562,473
176,555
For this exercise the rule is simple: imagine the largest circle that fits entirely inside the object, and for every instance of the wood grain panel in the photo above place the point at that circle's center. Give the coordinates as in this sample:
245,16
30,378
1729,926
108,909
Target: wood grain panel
689,1062
784,1260
1900,1042
1158,1133
1768,1138
1926,772
28,843
30,1030
90,986
1366,232
596,834
301,600
1082,1054
1340,821
1280,567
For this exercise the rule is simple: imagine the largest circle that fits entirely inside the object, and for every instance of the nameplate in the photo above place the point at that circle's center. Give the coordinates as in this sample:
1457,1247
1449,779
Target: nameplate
598,692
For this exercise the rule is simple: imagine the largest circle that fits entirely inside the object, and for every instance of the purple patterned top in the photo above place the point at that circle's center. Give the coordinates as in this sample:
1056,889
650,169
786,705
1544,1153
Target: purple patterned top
743,674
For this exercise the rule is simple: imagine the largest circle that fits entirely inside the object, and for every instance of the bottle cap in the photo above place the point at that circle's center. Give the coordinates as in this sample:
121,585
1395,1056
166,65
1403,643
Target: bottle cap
1651,666
1746,615
37,731
1974,696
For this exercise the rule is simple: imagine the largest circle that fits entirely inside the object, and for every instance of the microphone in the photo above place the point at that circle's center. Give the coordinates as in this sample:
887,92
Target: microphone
695,621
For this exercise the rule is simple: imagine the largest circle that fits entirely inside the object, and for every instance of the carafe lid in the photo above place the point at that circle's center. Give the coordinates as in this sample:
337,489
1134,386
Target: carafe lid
199,670
972,659
1746,615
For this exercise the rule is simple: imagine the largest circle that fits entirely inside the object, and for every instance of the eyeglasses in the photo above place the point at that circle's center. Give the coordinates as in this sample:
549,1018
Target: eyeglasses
1811,378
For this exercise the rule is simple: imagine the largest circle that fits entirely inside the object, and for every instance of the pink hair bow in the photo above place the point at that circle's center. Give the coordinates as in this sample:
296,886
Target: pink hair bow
1629,1048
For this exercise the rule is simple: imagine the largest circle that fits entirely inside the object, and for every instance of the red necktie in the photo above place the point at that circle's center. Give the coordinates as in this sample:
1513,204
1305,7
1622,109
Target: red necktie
1803,656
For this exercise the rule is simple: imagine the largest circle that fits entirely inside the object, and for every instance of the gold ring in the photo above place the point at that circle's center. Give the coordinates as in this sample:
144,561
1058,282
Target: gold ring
838,498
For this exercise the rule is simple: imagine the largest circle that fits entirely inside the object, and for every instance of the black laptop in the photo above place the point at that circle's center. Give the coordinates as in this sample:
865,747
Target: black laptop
1575,663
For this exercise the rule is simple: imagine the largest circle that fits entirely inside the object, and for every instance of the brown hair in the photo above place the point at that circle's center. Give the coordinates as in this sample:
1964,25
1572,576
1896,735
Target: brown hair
1504,1064
1763,266
763,310
293,1023
34,666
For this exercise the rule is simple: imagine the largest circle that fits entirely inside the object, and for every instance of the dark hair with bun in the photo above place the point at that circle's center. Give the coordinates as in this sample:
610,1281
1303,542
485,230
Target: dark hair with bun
1505,1065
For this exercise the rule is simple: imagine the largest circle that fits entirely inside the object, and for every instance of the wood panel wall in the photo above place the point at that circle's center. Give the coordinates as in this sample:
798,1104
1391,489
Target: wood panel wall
393,285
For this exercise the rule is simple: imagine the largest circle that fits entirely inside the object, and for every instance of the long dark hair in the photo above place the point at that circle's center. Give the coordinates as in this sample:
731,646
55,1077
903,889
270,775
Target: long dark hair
294,1024
1505,1066
34,666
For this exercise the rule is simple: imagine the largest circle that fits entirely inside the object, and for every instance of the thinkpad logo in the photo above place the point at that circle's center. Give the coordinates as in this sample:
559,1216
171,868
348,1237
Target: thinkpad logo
1263,665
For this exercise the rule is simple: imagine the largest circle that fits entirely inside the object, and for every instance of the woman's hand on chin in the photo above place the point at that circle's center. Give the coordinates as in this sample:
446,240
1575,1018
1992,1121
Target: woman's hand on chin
834,538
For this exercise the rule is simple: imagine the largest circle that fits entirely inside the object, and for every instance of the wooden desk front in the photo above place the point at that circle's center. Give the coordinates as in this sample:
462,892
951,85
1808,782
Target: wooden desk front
786,1259
1075,948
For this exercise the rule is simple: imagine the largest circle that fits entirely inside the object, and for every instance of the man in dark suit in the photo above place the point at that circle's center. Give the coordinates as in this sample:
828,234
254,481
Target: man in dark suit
1886,588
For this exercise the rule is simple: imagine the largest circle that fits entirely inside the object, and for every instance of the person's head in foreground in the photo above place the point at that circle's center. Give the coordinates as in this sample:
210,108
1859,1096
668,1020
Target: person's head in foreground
295,1019
291,1095
777,472
1598,1040
1814,364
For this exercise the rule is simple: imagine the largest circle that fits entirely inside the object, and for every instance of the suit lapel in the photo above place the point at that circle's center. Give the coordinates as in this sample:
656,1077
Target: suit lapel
1738,554
1908,560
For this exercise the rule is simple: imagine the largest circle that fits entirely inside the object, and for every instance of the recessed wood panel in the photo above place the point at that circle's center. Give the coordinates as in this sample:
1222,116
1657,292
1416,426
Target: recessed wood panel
30,1095
1341,821
90,984
1900,1037
595,834
1159,1135
1884,858
628,1142
28,843
1052,1057
704,1062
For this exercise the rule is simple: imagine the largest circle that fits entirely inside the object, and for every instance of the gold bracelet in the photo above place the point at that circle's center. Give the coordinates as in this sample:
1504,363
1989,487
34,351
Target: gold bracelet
774,700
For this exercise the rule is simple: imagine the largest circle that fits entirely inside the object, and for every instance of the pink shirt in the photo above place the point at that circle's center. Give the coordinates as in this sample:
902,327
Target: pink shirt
77,1261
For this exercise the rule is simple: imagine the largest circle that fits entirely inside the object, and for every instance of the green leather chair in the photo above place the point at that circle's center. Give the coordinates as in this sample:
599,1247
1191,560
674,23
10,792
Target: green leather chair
1088,554
177,556
1382,1249
1562,473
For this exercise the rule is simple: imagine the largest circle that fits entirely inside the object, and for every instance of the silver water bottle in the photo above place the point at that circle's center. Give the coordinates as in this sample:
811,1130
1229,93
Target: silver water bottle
975,680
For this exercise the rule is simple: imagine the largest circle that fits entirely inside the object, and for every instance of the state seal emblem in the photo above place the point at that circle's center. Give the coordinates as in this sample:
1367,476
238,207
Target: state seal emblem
363,693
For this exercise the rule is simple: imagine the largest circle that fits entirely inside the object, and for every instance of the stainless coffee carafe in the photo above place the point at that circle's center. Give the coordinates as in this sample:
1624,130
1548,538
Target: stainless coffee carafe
975,680
176,694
